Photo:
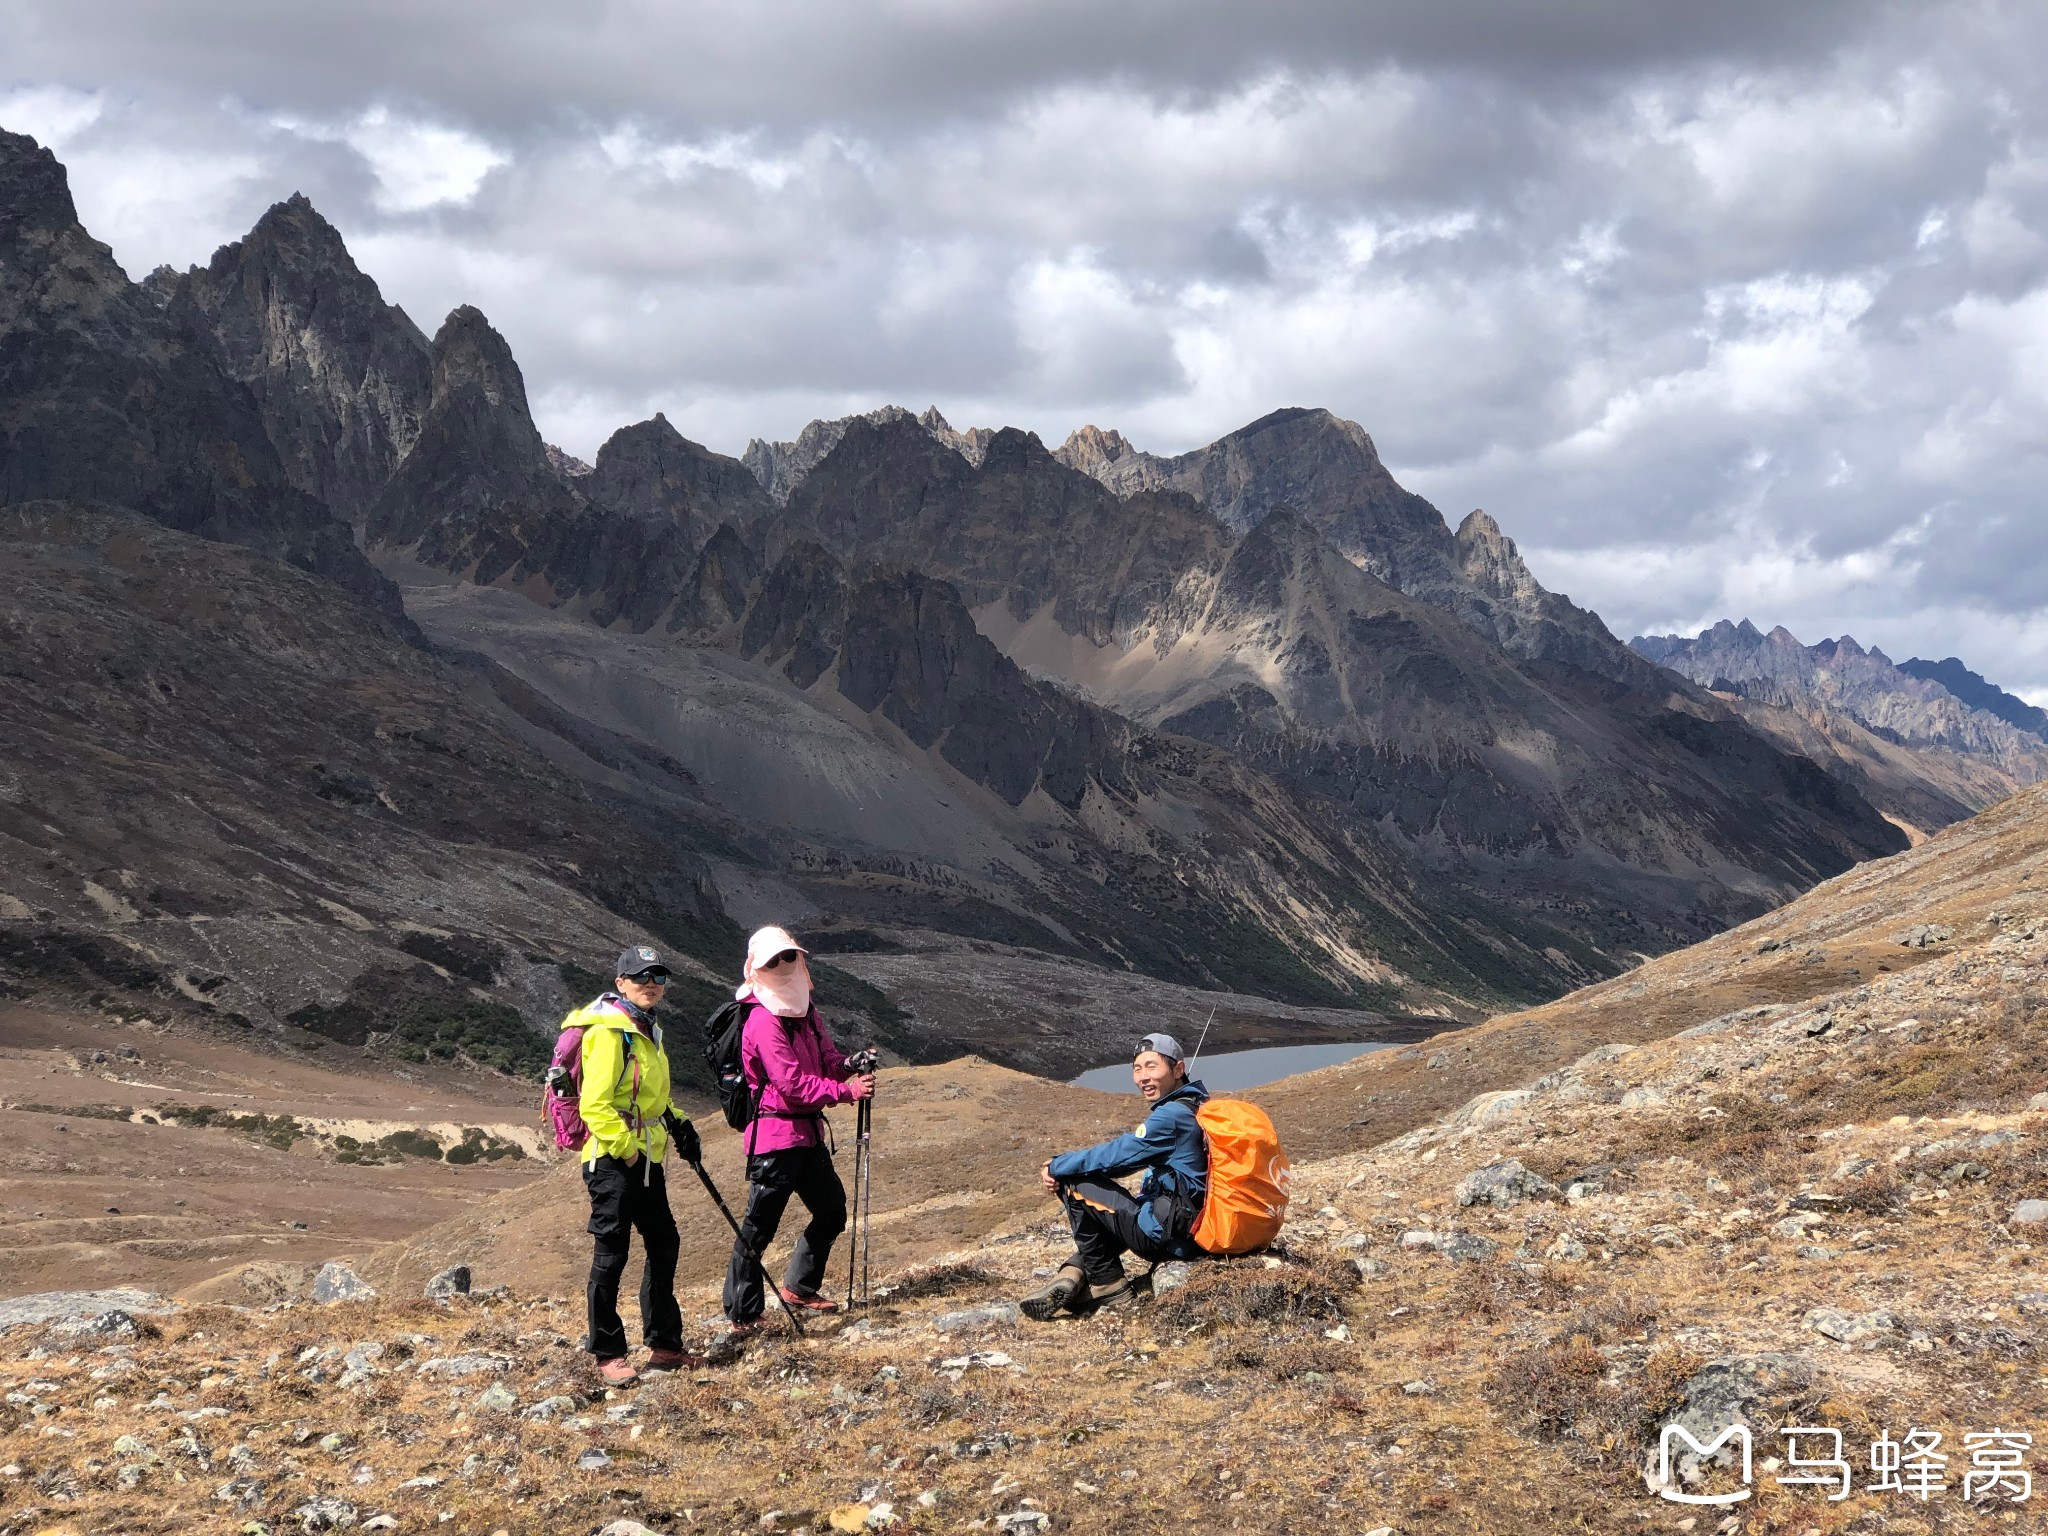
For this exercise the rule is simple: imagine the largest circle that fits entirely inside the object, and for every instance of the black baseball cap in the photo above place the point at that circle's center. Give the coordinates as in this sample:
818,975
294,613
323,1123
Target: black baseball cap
635,958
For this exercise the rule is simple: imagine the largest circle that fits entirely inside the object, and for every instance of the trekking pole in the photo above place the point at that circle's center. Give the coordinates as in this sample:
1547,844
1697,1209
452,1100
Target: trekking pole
867,1196
724,1210
854,1290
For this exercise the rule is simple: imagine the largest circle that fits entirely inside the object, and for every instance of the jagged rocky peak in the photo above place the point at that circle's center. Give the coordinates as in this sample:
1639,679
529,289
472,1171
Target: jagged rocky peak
1973,689
469,353
565,463
782,467
343,378
1094,451
1840,674
35,193
1491,562
650,470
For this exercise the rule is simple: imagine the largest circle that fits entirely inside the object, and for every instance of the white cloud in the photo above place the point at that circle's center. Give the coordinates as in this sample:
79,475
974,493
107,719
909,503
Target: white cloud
1721,310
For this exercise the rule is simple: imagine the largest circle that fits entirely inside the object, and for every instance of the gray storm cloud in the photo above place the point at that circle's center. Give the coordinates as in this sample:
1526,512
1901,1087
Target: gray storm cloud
1721,310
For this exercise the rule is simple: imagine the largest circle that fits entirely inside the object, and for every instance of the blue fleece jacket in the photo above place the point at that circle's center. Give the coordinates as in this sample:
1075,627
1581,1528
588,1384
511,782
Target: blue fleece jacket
1169,1147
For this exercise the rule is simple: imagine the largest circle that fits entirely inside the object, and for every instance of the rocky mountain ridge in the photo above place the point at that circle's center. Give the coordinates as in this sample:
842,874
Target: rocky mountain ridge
1854,709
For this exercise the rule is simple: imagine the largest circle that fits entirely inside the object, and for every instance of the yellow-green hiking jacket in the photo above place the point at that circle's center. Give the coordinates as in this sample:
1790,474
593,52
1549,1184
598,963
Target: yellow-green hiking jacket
622,1100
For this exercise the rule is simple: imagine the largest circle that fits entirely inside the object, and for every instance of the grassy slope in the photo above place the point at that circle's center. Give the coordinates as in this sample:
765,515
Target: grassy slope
1539,1373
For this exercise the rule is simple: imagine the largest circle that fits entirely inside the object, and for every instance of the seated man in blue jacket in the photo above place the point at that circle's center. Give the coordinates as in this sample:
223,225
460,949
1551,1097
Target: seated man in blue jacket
1106,1219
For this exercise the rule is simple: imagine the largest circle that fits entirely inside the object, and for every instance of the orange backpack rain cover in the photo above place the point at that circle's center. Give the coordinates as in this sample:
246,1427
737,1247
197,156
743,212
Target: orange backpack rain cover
1248,1178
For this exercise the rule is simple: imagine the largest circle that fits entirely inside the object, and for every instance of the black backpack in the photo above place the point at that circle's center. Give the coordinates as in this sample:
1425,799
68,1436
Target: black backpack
722,1055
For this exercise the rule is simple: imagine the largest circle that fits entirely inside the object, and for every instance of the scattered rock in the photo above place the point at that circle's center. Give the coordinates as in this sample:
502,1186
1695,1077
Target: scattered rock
1567,1248
337,1282
1849,1327
1922,935
548,1407
593,1460
465,1365
452,1281
1467,1245
325,1513
1419,1388
1503,1184
2029,1213
1170,1276
1492,1108
2038,1102
627,1528
497,1398
379,1523
1419,1239
1366,1268
1641,1098
971,1319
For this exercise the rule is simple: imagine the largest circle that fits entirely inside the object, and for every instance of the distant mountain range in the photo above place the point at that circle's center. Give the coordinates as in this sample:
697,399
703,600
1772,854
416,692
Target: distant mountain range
1919,749
1252,717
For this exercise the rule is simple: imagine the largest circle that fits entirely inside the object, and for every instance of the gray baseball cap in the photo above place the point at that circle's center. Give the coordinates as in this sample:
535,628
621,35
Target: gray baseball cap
635,958
1165,1045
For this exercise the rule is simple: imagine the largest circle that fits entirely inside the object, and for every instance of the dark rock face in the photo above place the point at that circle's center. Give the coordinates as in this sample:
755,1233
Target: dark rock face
476,487
1974,691
343,379
109,397
652,472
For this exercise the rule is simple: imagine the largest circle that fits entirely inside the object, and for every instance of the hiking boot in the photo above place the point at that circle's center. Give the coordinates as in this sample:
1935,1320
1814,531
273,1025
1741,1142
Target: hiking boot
1043,1305
673,1360
1105,1298
617,1372
808,1303
746,1330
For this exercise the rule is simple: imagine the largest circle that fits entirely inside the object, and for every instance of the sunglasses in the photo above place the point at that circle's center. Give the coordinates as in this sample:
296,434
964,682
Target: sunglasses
787,957
651,978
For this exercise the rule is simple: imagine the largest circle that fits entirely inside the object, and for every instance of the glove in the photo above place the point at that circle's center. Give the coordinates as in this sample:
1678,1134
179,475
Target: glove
683,1136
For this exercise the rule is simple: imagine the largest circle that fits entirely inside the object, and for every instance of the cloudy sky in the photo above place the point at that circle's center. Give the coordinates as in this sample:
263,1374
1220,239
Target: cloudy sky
1731,309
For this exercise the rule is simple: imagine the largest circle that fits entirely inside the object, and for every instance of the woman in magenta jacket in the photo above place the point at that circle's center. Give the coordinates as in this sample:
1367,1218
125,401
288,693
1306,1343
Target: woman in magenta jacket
795,1073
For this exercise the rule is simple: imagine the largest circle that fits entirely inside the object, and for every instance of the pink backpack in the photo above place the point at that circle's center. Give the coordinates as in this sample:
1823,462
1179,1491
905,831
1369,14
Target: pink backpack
562,1088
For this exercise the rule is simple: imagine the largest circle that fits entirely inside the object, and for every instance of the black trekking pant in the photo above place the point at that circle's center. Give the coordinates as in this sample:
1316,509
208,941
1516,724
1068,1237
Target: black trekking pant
623,1200
772,1177
1104,1220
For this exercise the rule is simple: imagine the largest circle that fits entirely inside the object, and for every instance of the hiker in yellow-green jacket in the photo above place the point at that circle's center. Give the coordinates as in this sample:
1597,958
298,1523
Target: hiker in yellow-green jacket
624,1102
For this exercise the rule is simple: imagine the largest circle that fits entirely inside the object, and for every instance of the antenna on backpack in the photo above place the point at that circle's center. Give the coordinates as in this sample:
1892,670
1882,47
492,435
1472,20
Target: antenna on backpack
1198,1044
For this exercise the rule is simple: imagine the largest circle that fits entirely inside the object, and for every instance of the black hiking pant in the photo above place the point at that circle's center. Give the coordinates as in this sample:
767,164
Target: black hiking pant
1104,1220
623,1200
772,1177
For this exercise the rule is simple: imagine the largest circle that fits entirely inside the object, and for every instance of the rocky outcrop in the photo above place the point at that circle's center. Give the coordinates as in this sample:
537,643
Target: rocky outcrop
342,378
1974,691
1093,451
1327,472
651,472
1842,676
477,486
782,467
108,396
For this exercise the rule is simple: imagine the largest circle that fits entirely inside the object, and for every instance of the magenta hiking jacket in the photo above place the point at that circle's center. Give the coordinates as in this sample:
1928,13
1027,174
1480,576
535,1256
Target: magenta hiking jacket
795,1071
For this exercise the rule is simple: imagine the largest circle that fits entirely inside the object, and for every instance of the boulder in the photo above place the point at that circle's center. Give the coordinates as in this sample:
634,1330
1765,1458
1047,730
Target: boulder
1467,1245
2029,1213
1849,1327
996,1314
1504,1184
452,1281
1169,1276
337,1282
55,1306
